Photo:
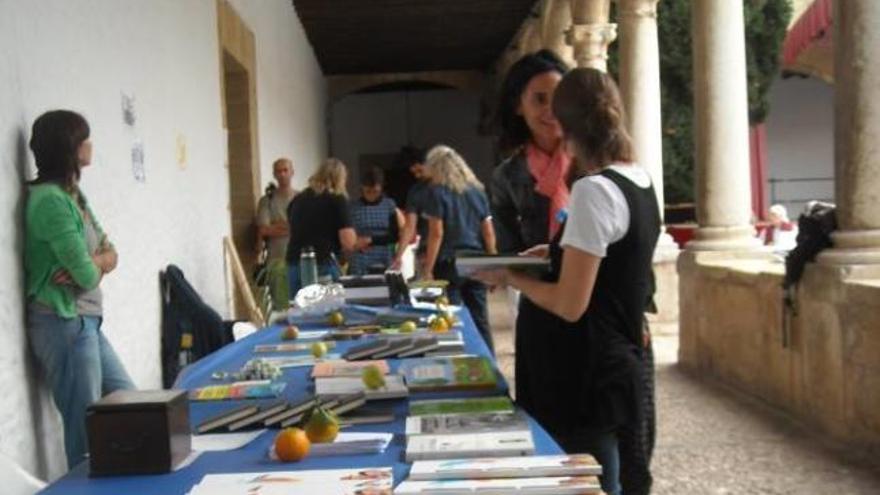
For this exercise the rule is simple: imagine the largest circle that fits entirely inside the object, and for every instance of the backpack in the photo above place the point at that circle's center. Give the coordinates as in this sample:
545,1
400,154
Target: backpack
815,226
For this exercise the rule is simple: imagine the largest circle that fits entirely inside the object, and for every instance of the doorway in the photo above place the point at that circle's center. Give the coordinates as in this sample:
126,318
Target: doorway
237,63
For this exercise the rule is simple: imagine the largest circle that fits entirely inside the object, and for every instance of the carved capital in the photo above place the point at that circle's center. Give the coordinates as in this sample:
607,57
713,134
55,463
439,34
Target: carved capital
590,42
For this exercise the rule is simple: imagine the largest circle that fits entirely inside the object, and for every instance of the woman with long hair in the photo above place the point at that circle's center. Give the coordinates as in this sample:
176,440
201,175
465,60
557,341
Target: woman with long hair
67,255
579,333
319,218
528,189
458,220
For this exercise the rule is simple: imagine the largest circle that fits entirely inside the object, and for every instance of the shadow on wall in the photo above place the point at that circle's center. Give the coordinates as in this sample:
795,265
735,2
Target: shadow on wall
38,399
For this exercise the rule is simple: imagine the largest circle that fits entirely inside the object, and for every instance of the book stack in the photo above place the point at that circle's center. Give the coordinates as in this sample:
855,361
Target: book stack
462,428
282,414
536,475
376,481
407,345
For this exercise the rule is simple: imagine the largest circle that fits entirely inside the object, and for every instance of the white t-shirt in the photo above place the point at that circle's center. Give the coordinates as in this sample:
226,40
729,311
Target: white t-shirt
598,214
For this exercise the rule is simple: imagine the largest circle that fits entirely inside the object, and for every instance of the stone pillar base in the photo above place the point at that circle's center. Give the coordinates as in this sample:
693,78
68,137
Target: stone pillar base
738,238
854,247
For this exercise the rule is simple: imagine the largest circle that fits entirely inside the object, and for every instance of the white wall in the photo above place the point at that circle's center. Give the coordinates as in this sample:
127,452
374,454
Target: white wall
82,55
800,141
372,123
291,95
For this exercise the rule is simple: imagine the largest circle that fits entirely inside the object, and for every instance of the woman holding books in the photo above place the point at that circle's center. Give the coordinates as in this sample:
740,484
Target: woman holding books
458,220
319,218
67,255
580,328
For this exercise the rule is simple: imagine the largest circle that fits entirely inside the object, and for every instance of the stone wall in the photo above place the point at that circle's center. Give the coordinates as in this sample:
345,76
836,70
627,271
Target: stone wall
824,368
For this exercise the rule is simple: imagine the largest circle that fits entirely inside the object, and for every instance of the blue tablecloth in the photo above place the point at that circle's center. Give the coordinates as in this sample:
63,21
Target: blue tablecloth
254,457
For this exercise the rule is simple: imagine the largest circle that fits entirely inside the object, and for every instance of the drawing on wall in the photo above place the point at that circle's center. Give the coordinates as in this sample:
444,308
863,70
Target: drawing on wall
180,151
129,116
137,161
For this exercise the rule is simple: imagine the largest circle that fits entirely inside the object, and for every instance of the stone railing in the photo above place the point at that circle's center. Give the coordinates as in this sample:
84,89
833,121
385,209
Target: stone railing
822,364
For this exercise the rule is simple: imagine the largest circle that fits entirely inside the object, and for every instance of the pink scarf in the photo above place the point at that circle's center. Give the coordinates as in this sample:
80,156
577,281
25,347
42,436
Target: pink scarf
550,173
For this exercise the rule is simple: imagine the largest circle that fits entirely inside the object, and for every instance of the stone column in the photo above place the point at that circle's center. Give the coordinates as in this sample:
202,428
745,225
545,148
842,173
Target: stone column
530,39
721,127
555,21
591,33
856,133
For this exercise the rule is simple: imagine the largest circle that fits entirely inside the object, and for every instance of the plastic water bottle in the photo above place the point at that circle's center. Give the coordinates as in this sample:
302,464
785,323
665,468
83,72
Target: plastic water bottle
308,267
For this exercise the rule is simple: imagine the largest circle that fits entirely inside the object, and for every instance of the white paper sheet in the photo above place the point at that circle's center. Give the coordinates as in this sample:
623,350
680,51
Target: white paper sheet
223,441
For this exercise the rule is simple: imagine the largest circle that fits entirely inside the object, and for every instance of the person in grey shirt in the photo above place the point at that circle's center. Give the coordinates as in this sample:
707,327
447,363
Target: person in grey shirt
272,229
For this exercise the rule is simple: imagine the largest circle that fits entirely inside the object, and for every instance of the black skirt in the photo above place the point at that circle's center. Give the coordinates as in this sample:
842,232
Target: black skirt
572,377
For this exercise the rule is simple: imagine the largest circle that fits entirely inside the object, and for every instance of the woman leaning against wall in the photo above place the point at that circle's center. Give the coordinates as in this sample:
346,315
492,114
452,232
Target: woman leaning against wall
67,254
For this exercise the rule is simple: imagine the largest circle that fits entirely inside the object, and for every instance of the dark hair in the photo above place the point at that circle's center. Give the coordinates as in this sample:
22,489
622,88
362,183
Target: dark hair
55,140
513,129
410,155
588,106
372,176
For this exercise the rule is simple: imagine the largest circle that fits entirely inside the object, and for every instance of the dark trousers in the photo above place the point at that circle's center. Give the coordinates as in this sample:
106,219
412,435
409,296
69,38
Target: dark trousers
636,439
469,292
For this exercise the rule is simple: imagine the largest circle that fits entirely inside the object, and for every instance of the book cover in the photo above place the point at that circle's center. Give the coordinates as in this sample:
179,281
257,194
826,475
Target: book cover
457,424
257,389
511,443
507,467
449,373
376,481
458,406
300,360
556,485
395,346
226,417
347,368
394,387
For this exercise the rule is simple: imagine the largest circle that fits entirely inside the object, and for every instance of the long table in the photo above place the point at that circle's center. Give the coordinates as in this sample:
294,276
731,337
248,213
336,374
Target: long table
254,456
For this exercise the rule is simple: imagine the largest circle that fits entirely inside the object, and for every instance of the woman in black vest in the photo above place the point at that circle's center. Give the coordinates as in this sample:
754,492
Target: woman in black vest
579,332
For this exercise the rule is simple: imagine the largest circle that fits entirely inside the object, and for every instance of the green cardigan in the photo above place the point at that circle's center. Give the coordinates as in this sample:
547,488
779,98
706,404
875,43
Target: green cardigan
55,239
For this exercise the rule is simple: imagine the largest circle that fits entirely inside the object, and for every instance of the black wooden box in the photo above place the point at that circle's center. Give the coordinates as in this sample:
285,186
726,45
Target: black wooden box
138,432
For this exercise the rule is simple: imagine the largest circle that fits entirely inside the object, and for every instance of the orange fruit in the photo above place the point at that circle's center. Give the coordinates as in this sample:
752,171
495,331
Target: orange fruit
439,324
292,444
322,426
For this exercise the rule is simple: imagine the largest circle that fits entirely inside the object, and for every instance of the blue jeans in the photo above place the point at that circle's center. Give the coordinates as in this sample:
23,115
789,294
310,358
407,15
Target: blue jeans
81,367
325,269
602,446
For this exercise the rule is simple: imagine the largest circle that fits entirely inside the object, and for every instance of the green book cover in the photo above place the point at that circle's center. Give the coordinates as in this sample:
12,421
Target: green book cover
449,373
458,406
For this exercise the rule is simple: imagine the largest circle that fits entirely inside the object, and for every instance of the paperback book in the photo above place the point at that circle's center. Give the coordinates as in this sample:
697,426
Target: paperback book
394,387
469,263
506,467
377,481
458,424
557,485
257,389
289,347
461,405
347,368
449,373
225,418
503,444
